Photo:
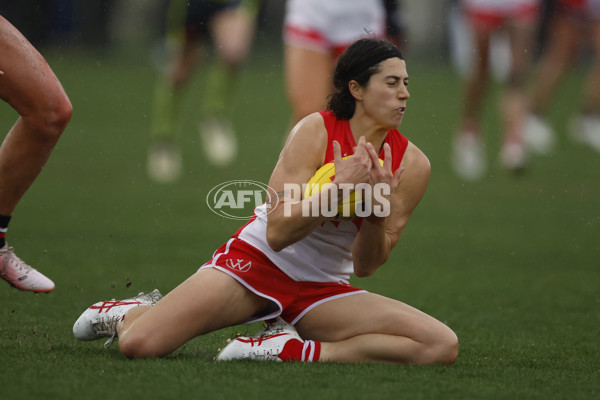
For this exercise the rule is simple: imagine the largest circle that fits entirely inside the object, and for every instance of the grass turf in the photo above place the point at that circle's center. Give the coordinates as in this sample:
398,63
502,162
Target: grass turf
510,263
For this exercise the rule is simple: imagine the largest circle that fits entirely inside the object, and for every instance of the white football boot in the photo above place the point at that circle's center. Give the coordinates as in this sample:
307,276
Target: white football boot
165,164
538,135
513,157
20,275
586,129
102,319
219,141
264,346
468,156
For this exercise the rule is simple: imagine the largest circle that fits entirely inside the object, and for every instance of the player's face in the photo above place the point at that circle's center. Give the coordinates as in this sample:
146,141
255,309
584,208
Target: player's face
386,93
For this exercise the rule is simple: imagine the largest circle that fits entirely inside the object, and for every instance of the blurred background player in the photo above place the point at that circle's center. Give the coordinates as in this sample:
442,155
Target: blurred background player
573,24
519,19
230,25
28,84
316,32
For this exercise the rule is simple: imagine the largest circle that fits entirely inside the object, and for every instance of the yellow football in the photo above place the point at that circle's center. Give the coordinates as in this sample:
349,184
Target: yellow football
325,175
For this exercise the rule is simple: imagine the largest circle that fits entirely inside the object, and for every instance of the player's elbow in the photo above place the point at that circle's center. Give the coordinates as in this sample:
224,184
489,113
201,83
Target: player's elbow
367,267
276,246
362,274
364,271
274,240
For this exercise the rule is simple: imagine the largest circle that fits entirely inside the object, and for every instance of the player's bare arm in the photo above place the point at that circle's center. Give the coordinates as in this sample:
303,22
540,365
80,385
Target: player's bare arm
301,156
378,236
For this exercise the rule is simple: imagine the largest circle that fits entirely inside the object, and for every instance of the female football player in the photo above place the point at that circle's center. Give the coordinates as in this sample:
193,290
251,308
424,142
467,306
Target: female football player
287,265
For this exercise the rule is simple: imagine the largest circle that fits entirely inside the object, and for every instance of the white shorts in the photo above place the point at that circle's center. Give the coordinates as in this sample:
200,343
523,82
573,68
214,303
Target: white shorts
490,15
329,26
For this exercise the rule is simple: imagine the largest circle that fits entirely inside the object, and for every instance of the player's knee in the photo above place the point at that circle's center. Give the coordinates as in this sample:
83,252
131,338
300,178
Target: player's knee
449,351
445,348
137,346
53,119
59,115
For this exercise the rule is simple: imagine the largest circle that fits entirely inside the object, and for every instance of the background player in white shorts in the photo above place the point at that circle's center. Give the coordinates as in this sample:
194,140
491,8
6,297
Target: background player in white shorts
315,34
519,19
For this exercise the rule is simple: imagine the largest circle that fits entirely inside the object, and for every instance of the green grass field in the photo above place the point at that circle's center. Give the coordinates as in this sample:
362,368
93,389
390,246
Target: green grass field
512,264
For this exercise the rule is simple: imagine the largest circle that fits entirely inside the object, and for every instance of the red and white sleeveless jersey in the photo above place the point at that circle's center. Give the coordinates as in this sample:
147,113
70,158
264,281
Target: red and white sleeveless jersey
326,254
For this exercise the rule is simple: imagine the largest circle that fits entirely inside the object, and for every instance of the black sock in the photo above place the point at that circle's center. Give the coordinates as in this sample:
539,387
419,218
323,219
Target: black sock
4,220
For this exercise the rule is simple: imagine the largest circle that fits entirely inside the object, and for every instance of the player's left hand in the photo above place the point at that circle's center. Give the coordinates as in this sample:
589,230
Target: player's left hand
379,174
383,174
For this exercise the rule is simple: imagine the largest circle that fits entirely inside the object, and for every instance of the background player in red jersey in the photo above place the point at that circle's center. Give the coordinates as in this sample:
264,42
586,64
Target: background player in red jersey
297,266
28,84
518,18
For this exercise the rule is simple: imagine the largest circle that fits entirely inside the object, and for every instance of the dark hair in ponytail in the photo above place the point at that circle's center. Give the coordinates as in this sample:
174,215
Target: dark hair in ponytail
358,62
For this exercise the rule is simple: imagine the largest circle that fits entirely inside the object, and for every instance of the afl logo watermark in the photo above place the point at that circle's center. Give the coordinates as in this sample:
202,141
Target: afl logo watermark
239,265
238,199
